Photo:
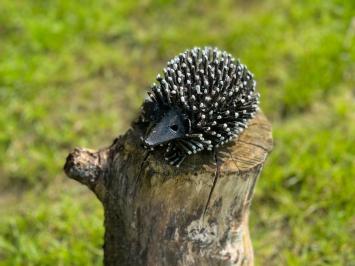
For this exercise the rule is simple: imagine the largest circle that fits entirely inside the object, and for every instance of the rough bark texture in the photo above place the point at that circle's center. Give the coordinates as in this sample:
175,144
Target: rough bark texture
154,213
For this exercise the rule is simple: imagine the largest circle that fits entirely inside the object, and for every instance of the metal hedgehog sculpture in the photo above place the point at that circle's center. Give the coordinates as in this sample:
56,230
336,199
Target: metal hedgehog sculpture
204,99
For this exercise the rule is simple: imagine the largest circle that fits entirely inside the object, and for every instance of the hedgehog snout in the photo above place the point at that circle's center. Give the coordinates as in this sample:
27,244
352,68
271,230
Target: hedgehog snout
169,128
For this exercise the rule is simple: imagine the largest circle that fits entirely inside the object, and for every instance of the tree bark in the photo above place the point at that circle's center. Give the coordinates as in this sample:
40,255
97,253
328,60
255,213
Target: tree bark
155,213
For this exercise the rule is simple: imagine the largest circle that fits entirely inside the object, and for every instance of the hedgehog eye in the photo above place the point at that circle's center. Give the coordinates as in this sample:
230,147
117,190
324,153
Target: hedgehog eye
174,127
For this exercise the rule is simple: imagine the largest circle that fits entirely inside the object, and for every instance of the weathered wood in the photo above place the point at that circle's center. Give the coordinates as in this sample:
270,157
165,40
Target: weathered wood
154,213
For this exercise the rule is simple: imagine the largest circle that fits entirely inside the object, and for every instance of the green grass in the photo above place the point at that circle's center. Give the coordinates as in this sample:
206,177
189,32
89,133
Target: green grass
75,73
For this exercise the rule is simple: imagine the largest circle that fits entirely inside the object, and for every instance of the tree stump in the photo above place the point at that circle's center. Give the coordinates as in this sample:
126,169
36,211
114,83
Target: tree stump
155,213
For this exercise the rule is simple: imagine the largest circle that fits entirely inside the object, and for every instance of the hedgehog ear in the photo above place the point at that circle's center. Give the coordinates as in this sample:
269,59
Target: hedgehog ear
150,110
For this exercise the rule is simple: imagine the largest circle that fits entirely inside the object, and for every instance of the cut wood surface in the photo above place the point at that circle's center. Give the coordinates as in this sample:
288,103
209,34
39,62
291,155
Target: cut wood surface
154,213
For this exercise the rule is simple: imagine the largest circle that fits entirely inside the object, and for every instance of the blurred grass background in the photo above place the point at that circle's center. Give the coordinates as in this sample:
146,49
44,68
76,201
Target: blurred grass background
75,73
